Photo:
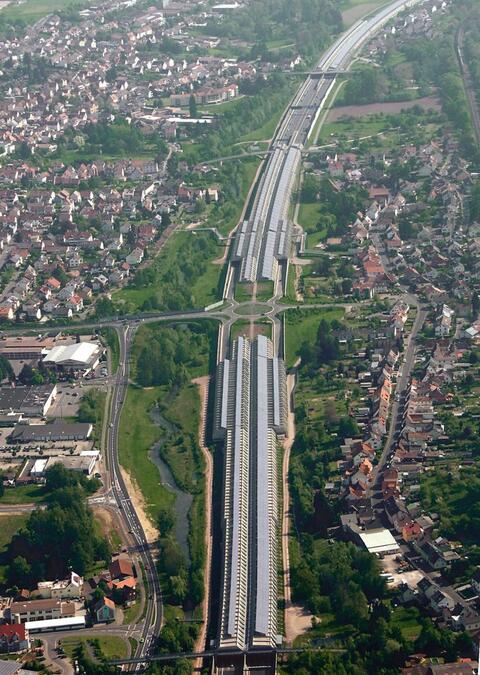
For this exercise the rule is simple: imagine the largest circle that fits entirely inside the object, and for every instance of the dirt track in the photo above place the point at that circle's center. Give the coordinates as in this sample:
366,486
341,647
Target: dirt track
202,383
297,619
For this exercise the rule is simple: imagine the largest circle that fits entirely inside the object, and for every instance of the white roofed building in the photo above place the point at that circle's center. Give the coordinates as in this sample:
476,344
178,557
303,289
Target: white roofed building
379,541
80,356
63,588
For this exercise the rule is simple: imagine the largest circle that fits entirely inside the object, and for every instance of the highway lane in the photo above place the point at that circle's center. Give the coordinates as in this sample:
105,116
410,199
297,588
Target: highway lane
153,601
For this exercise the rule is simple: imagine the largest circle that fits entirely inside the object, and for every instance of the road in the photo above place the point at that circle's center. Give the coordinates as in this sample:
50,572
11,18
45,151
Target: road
401,388
467,82
153,617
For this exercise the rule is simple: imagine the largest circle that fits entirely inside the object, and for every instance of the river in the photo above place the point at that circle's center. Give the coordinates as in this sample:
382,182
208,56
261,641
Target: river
183,500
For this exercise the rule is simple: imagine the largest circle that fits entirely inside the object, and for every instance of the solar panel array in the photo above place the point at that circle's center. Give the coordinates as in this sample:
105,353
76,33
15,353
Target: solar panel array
257,240
251,401
264,627
233,419
259,245
249,413
278,219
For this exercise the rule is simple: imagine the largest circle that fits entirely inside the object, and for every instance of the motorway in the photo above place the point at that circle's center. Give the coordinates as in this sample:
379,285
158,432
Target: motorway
263,241
265,237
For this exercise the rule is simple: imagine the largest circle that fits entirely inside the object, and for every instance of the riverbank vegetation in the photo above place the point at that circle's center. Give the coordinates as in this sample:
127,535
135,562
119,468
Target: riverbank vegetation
162,414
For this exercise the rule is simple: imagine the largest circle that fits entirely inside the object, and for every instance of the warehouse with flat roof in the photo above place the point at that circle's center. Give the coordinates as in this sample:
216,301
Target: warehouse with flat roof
379,541
34,401
44,433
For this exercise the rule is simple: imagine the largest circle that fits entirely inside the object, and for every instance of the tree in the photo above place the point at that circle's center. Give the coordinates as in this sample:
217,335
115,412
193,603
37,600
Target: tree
166,520
105,307
192,106
310,188
24,151
6,369
19,572
178,588
171,558
475,304
348,427
200,206
26,374
55,540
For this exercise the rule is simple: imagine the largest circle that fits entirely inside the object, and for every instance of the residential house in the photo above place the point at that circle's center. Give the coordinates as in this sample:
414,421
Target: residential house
104,611
14,638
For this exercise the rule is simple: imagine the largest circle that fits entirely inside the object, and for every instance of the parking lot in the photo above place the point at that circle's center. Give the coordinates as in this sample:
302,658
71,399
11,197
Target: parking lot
391,565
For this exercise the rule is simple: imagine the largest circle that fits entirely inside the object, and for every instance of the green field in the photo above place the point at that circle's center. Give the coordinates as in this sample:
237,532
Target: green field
309,217
353,128
265,132
407,619
206,288
183,410
302,327
32,10
226,218
137,435
218,108
184,462
111,646
24,494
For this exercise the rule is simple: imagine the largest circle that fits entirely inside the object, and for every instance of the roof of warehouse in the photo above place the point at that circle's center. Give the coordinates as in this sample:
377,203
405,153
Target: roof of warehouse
379,541
81,352
55,623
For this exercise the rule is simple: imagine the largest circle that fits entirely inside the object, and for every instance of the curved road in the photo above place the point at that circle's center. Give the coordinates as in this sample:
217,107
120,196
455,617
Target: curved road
153,602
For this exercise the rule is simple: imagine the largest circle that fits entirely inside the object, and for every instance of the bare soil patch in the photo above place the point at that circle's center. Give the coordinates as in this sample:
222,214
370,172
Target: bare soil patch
391,108
108,523
135,494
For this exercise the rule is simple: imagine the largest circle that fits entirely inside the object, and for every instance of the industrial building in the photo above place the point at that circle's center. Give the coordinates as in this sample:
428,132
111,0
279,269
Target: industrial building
25,348
250,416
34,401
379,541
45,433
80,357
